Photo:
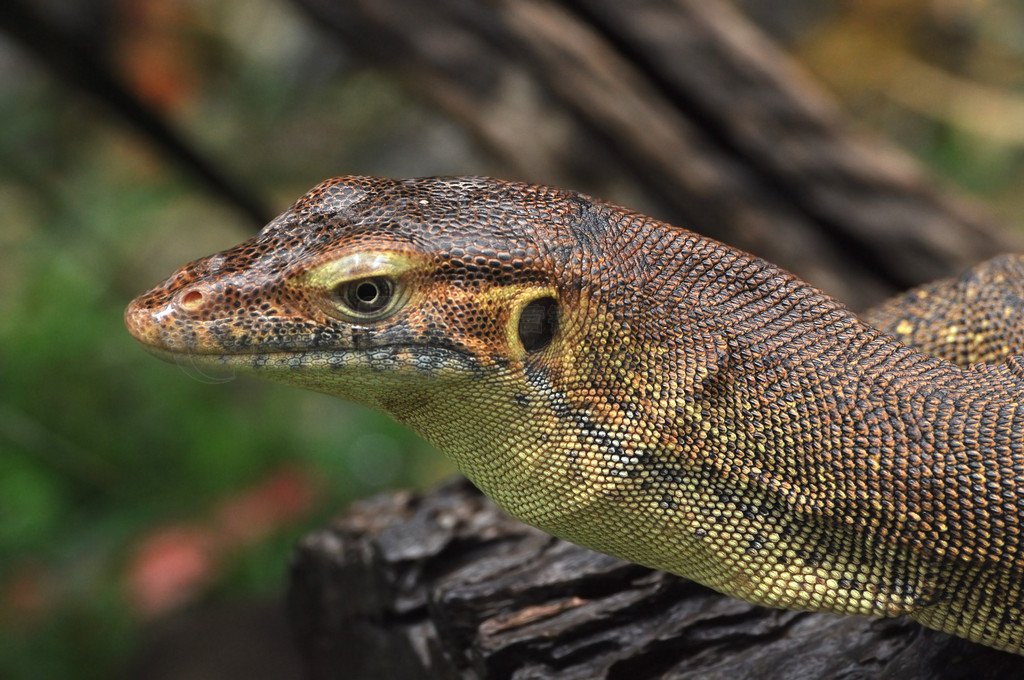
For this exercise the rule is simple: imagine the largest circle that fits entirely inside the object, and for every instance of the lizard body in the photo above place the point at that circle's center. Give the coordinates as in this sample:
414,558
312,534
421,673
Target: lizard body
639,389
971,319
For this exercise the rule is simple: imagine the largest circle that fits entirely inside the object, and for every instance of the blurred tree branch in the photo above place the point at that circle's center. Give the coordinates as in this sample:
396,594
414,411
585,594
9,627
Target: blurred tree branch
75,59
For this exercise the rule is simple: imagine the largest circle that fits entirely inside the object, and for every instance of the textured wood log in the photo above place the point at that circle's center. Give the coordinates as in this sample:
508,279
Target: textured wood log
445,585
682,109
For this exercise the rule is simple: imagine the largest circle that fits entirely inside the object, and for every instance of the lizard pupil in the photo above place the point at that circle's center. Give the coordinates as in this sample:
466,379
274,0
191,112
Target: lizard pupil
367,296
537,323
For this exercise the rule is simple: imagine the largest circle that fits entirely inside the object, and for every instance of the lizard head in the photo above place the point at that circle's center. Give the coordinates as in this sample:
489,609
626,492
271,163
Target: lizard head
365,285
443,302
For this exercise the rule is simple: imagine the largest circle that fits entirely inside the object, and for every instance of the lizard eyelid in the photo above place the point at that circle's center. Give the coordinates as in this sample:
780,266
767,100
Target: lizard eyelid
362,287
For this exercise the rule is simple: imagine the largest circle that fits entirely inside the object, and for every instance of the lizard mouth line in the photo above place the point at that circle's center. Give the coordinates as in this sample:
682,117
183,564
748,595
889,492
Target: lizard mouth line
385,358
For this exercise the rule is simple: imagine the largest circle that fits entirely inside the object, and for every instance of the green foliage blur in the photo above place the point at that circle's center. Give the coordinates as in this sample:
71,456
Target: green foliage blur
102,447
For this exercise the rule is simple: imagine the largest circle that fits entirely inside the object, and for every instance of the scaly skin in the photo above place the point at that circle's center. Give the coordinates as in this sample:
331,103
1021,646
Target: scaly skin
978,317
638,389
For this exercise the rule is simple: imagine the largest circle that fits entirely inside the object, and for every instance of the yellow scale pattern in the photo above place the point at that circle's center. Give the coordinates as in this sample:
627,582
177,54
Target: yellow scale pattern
642,390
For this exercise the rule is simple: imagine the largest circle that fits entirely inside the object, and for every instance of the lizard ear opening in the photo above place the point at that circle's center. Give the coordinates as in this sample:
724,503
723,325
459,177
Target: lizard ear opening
538,323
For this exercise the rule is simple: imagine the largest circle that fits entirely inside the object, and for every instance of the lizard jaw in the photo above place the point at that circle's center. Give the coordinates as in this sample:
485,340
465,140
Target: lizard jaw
340,371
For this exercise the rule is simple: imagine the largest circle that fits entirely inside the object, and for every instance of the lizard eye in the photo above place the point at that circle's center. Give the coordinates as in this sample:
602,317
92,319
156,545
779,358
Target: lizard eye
368,299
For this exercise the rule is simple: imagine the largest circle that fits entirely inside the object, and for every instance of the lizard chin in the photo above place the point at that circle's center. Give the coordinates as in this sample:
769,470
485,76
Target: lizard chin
206,368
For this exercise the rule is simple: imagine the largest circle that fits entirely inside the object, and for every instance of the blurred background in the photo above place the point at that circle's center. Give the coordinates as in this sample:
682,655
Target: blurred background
147,514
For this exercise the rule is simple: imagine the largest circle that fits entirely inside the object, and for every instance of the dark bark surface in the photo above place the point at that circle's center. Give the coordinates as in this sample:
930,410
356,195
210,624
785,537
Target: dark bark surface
446,585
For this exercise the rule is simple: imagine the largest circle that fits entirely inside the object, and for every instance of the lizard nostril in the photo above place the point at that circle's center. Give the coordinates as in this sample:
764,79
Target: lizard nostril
191,300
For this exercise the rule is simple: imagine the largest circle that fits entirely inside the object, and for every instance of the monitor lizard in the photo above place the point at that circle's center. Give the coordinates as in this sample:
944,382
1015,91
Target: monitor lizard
645,391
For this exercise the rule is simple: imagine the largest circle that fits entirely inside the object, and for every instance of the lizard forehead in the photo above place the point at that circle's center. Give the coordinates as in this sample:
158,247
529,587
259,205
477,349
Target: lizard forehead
453,216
